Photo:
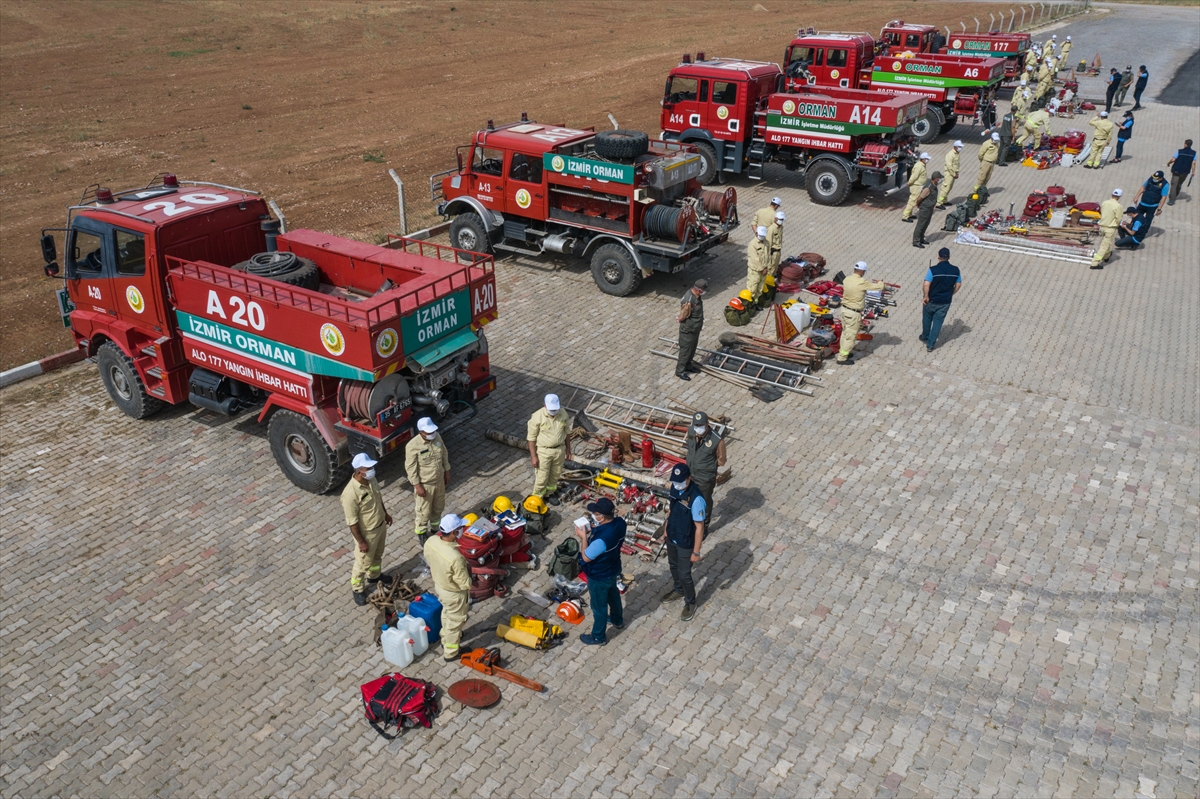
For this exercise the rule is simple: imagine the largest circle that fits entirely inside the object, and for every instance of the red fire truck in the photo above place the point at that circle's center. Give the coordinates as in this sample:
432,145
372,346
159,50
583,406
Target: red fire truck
730,110
189,291
633,205
957,87
898,37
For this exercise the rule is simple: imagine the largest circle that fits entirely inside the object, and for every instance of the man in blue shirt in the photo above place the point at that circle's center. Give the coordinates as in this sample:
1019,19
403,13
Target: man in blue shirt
1183,165
685,535
1150,196
601,556
1134,231
942,282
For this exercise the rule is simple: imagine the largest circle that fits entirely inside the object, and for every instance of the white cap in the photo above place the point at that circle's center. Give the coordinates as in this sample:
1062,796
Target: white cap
958,143
1117,192
426,425
776,201
995,137
449,523
779,215
925,156
861,266
1103,114
552,403
1029,68
1054,36
1068,38
761,232
363,461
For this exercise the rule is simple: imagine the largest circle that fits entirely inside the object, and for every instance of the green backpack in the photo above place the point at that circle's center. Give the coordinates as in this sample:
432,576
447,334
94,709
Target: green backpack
564,561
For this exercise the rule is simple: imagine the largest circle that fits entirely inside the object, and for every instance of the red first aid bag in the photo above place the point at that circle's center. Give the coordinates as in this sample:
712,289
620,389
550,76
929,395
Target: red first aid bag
399,701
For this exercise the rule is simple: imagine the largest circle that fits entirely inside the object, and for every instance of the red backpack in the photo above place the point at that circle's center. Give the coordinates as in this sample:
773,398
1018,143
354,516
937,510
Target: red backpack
396,700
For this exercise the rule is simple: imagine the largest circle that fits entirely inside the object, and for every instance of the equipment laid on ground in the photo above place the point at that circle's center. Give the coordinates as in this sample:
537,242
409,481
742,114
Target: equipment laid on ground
474,693
631,204
570,611
836,137
394,700
488,662
530,632
746,371
667,428
428,609
188,291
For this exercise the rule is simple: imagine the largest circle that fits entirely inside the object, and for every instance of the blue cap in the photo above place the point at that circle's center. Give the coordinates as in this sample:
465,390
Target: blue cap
604,506
680,473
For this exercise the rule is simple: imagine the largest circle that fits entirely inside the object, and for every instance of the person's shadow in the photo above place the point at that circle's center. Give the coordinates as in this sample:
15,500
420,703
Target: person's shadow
952,331
734,503
721,567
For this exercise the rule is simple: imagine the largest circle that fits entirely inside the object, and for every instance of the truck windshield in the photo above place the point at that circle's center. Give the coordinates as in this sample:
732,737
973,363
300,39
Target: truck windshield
681,89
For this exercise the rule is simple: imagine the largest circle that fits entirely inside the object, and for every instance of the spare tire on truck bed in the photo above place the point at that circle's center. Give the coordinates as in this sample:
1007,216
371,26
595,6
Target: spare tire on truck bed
623,144
286,267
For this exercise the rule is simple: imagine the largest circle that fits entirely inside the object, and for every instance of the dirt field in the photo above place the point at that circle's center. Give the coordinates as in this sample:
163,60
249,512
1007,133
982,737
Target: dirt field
312,102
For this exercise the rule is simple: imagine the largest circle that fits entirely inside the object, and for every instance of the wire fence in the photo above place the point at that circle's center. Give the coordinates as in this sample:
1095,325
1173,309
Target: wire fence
1022,18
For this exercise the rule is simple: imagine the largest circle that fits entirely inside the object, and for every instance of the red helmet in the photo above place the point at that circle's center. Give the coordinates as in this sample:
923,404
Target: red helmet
736,304
570,611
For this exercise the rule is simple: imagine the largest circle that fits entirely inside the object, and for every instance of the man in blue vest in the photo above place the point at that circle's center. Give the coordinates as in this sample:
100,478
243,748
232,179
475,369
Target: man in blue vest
1182,164
942,282
1133,232
600,552
685,535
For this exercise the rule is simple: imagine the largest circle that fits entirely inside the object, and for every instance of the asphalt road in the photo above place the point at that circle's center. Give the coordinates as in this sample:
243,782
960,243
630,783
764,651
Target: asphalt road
1184,88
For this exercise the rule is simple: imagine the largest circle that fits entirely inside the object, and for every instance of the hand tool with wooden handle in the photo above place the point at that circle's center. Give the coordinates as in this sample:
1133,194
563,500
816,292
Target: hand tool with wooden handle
488,662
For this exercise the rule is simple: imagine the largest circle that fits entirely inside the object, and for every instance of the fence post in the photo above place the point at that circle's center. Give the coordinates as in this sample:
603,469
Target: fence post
991,22
400,200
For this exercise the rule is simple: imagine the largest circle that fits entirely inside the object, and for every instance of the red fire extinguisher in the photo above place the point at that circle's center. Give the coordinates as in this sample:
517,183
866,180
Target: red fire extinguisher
647,453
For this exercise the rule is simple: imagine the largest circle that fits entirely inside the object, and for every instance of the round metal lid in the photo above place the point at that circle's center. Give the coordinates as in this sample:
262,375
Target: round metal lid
475,693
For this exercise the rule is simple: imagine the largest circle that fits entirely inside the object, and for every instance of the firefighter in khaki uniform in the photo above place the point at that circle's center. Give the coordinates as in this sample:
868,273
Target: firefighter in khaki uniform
854,296
950,175
916,181
989,152
775,244
368,520
549,440
765,216
1104,133
1111,212
428,468
1035,125
758,259
451,581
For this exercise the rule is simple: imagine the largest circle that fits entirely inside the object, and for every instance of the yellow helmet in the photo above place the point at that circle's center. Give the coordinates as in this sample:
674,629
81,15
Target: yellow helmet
768,281
501,504
535,504
470,519
746,296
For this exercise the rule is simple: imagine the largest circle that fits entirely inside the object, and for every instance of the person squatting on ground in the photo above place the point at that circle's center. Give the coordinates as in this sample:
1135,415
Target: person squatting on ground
549,437
600,553
691,322
685,537
942,282
451,581
854,296
428,467
368,520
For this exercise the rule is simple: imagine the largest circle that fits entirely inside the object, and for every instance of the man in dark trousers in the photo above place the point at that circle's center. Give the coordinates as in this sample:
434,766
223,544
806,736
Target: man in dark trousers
1139,86
942,282
685,535
1007,130
1110,93
691,320
1126,82
705,452
1133,232
926,200
600,551
938,42
1182,164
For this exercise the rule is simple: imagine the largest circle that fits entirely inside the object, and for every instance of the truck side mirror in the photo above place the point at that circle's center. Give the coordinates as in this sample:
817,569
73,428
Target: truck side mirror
51,267
458,155
49,251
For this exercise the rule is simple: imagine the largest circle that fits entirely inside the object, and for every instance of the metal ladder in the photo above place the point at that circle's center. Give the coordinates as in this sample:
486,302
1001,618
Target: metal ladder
758,371
627,414
758,147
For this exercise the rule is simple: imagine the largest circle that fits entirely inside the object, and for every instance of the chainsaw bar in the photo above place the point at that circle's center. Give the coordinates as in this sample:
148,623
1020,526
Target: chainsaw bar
475,693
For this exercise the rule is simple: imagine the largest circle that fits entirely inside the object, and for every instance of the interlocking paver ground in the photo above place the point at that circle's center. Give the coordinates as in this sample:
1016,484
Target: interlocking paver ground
972,572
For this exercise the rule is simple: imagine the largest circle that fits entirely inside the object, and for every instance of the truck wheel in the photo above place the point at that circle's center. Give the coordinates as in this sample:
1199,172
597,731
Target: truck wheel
708,161
622,144
286,267
929,127
949,124
123,383
468,233
301,452
614,271
828,183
